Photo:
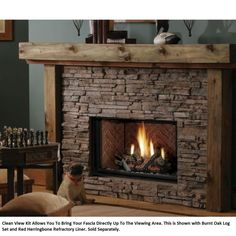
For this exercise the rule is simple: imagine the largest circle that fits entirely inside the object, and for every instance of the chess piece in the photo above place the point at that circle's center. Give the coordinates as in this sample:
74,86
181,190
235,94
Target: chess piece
46,137
31,137
15,141
6,138
25,137
37,137
6,142
41,137
21,139
11,140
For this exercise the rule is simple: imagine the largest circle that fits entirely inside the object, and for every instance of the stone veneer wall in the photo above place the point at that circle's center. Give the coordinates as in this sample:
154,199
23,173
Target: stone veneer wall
160,94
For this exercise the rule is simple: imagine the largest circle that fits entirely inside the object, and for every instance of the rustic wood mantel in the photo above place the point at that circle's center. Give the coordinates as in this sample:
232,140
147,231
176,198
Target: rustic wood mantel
130,55
218,59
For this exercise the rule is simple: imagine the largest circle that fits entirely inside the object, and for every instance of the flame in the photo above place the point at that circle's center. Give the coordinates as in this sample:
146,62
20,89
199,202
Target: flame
163,153
132,149
145,146
151,148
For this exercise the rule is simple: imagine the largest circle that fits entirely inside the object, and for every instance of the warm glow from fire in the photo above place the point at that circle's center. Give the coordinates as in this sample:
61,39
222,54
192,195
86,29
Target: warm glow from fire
163,153
145,146
132,149
151,148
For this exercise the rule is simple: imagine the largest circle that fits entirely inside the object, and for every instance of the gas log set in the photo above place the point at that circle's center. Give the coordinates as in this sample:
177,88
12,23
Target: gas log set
157,163
134,148
145,157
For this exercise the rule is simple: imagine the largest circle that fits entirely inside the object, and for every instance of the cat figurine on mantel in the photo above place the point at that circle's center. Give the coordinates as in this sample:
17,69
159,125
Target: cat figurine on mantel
165,37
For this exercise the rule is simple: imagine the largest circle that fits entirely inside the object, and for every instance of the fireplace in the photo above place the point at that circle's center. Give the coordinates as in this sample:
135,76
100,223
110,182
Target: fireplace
133,148
186,84
103,110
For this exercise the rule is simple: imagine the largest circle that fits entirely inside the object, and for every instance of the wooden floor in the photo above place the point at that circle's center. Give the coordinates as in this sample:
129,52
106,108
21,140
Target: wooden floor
98,209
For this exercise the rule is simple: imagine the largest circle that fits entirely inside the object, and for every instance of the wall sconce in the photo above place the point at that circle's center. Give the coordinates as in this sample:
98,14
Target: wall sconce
78,24
189,26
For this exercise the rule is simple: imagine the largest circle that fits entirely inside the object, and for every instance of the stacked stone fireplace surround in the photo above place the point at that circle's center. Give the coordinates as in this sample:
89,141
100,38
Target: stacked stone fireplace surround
145,94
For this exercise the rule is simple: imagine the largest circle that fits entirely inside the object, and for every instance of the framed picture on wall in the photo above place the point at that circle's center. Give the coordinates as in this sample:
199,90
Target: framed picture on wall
6,30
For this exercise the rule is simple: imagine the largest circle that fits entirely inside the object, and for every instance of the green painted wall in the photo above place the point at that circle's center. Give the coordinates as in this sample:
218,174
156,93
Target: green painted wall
14,76
47,31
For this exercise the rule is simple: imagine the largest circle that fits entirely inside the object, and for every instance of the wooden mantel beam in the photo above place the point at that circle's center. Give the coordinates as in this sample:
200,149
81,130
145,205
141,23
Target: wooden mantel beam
130,53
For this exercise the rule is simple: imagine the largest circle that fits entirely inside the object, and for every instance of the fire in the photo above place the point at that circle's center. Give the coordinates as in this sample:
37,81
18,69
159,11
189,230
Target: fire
151,148
145,144
132,149
163,153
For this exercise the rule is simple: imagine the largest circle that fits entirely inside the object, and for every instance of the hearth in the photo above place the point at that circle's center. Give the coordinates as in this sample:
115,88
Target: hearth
133,148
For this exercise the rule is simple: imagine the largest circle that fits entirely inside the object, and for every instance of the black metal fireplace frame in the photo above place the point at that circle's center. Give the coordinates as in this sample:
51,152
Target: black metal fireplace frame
95,151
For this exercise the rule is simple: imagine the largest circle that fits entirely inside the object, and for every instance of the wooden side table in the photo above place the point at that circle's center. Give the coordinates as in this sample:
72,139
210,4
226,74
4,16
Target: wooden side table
40,156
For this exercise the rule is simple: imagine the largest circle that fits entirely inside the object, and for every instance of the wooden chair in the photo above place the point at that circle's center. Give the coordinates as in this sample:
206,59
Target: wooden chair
28,183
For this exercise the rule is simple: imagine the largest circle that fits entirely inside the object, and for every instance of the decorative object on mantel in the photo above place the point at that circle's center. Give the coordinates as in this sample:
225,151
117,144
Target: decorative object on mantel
119,36
189,26
19,137
101,31
165,37
98,31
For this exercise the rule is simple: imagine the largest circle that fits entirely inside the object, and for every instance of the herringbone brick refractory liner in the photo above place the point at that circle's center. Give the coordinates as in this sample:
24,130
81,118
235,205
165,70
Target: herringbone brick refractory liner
118,136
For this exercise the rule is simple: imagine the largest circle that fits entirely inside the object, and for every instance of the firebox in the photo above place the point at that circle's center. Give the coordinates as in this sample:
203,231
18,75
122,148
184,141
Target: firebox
133,148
